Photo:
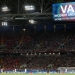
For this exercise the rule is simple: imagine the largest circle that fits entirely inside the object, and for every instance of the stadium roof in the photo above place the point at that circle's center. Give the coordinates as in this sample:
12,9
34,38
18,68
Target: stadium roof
17,15
43,9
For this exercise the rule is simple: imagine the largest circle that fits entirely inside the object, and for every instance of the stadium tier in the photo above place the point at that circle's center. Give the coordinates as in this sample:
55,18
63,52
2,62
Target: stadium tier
49,42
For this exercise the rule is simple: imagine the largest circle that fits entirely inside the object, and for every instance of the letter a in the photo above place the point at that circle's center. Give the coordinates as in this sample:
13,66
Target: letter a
70,9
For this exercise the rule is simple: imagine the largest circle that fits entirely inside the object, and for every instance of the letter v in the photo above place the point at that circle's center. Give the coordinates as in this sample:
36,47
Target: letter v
63,9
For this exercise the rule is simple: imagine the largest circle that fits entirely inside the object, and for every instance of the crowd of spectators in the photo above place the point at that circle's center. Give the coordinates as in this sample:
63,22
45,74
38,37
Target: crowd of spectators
37,43
38,62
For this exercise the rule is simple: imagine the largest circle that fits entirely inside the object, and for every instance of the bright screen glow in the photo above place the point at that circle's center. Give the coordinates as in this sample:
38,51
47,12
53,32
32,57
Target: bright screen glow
64,11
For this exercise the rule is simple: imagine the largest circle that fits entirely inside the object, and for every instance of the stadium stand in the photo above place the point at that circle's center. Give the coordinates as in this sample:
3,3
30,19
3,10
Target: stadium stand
37,36
62,41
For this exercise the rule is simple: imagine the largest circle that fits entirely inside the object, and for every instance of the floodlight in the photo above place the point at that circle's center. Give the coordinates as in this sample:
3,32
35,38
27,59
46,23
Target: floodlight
31,21
59,53
5,8
39,53
29,7
53,53
45,53
4,23
27,54
24,29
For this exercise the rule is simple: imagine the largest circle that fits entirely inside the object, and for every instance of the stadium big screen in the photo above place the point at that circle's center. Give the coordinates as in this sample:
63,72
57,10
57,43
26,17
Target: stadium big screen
64,11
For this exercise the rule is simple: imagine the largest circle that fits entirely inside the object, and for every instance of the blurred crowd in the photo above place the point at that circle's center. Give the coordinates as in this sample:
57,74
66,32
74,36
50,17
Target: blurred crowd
38,62
36,43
